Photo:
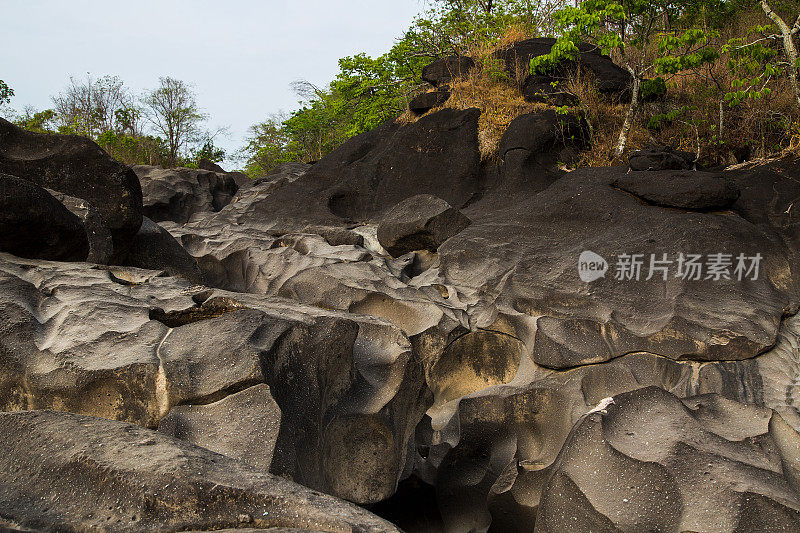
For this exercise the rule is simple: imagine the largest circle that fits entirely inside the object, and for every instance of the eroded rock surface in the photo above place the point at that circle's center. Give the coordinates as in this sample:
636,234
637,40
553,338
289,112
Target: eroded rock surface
68,472
650,460
177,194
449,387
422,222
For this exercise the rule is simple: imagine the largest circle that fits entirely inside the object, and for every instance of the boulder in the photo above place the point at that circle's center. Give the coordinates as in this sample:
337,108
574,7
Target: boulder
154,248
69,472
78,167
701,191
128,344
532,147
34,224
661,158
610,78
447,69
649,459
527,251
422,222
545,89
101,245
206,164
367,175
243,426
424,102
177,194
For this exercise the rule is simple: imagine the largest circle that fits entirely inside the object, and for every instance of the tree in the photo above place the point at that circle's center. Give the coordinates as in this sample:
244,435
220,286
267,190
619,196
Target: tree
629,27
172,111
789,48
90,107
37,121
268,145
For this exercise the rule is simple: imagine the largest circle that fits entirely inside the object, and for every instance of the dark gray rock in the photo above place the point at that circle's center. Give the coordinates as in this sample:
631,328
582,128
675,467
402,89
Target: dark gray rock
610,78
447,69
282,174
77,167
34,224
127,344
702,191
154,248
177,194
526,252
424,102
422,222
69,472
205,164
545,89
532,147
661,158
699,464
101,245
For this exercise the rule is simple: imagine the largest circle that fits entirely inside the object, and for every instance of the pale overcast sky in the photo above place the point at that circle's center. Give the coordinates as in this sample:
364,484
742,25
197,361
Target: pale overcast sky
240,55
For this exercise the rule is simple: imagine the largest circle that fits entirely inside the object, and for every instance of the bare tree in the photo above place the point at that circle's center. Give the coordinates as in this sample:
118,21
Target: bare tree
172,111
91,107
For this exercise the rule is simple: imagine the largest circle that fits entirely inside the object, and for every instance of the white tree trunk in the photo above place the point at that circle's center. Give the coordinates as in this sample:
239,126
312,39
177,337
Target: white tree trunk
788,46
633,107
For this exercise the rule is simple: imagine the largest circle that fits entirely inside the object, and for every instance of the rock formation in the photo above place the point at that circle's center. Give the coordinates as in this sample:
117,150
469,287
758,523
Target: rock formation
453,343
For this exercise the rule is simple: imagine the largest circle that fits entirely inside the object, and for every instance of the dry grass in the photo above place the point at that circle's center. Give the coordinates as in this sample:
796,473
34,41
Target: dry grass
499,101
757,127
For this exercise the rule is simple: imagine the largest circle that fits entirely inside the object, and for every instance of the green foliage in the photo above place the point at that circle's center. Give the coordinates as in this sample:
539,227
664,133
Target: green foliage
37,121
753,65
654,88
6,93
207,150
268,145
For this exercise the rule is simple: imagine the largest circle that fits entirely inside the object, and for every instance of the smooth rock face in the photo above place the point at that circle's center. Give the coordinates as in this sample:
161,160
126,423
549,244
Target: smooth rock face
447,69
422,222
153,247
101,245
533,145
77,167
366,176
650,460
68,472
177,194
242,426
33,224
661,158
700,191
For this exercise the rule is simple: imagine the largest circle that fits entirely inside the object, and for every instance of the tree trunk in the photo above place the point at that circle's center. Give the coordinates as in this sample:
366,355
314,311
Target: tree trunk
788,47
633,107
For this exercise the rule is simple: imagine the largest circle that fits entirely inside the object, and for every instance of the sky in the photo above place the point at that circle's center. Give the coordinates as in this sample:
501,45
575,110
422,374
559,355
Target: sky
240,56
